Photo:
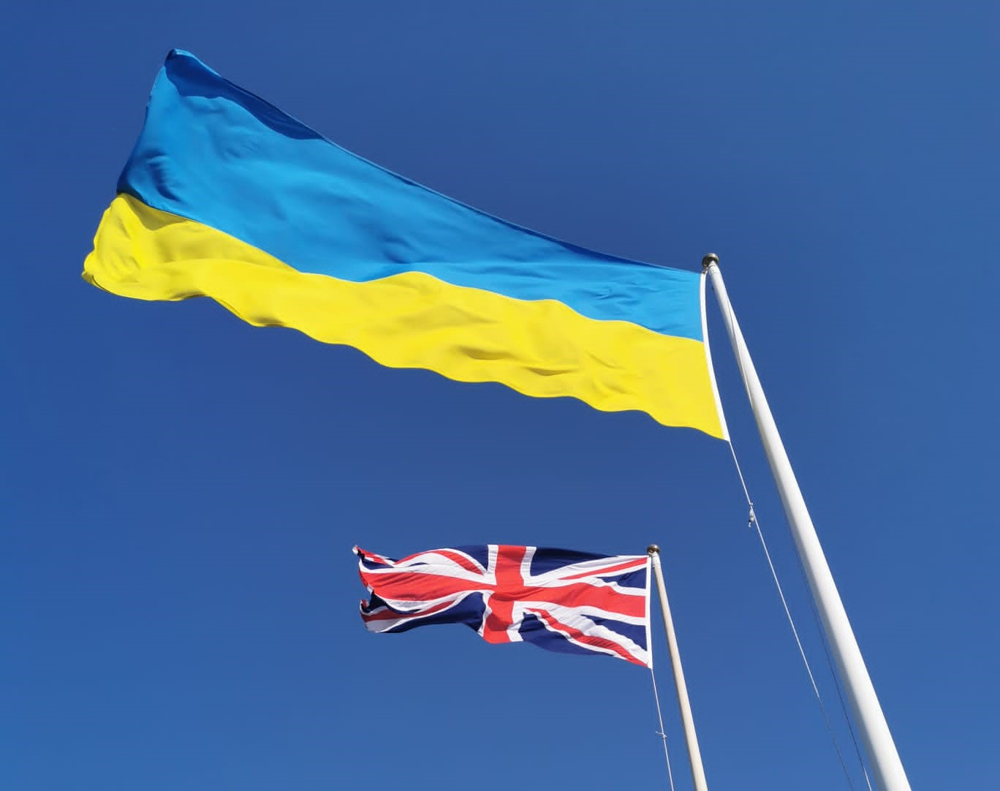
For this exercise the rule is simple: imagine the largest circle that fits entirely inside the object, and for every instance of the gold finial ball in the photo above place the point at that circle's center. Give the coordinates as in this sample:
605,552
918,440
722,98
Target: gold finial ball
708,260
652,549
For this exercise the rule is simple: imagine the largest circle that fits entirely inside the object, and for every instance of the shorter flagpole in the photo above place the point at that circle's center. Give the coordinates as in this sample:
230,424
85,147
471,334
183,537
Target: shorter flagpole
694,753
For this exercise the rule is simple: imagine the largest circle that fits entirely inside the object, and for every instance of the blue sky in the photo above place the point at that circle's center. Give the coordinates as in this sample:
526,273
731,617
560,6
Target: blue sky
179,610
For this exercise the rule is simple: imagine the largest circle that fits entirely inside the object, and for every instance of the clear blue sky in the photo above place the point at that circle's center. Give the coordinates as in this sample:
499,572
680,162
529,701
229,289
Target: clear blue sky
179,612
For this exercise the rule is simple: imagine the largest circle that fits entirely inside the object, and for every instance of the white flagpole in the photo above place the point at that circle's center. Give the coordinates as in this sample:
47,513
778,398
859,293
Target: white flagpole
880,749
694,754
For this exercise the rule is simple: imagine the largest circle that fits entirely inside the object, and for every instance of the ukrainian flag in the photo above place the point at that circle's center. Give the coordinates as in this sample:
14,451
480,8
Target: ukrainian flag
225,196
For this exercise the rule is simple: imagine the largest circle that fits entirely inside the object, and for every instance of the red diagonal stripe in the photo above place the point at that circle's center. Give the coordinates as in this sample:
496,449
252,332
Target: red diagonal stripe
460,559
635,565
582,637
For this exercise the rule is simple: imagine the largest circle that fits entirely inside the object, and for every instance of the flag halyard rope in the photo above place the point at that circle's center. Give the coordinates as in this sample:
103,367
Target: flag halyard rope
755,523
662,732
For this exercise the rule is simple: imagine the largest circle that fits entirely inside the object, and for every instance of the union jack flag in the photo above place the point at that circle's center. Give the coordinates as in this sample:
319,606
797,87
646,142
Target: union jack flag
558,599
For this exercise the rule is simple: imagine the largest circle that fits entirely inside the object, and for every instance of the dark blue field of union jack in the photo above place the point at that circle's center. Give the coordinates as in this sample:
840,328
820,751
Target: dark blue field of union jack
561,600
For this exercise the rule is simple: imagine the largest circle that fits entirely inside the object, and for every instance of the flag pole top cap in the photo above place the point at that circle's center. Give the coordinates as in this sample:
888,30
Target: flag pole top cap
653,549
708,260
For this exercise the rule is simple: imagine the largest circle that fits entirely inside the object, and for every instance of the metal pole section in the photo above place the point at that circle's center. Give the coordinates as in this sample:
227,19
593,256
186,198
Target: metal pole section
694,754
879,747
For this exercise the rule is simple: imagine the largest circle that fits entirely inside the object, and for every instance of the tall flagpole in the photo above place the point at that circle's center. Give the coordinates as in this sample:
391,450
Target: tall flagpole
694,754
879,746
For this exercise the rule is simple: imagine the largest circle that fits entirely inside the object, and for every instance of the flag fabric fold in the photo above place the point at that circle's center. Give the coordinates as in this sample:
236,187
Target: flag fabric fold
561,600
228,197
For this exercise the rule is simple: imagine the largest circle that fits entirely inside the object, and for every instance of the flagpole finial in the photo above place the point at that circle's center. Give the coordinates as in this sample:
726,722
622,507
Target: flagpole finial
708,260
653,549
